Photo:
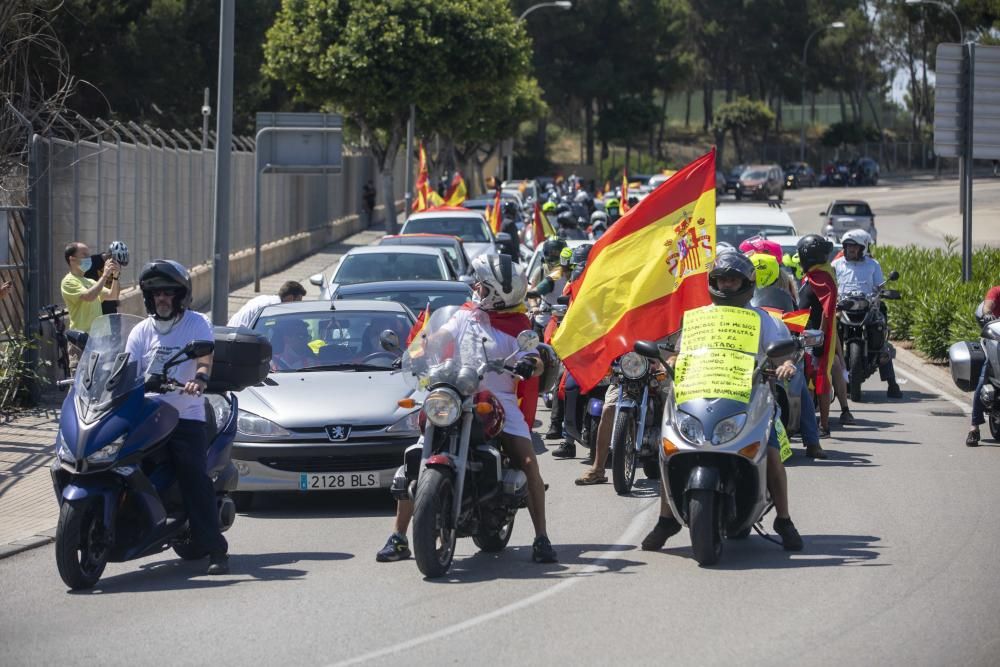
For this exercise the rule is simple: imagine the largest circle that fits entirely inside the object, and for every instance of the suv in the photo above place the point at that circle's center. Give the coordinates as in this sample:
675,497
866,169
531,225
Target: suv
760,181
843,215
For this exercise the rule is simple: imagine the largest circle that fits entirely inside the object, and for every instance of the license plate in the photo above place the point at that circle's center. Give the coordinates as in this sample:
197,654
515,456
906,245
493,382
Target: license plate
338,480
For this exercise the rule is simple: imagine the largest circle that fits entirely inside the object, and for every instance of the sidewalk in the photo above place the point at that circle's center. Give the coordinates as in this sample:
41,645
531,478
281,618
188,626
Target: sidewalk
28,510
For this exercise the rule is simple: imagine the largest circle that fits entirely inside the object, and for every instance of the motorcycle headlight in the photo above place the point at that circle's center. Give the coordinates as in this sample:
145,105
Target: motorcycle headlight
442,407
63,450
728,428
248,423
107,452
410,422
689,427
633,365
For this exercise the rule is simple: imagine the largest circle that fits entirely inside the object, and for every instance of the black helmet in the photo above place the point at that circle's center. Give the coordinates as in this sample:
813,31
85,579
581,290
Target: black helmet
551,250
813,249
562,207
566,219
581,253
732,265
165,274
509,209
578,271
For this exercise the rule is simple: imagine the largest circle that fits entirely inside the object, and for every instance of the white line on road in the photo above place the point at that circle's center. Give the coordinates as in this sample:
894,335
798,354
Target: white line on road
966,410
628,537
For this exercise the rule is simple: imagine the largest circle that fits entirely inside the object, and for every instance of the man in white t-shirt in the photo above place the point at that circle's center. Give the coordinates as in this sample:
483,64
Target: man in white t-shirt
247,315
171,325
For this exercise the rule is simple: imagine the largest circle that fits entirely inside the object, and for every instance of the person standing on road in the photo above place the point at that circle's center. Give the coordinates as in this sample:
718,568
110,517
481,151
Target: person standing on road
247,315
118,251
83,295
368,199
991,311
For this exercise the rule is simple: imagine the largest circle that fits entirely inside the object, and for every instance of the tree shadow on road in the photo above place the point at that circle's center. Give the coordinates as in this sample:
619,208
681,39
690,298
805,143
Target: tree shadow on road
322,505
755,553
175,574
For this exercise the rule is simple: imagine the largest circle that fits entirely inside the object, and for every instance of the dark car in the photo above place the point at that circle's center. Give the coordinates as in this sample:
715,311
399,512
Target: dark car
761,181
414,294
733,177
799,175
864,171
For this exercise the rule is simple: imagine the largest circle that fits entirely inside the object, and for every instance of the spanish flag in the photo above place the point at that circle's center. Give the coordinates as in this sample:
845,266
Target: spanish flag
823,281
420,201
457,192
795,320
643,274
417,329
494,214
541,227
623,204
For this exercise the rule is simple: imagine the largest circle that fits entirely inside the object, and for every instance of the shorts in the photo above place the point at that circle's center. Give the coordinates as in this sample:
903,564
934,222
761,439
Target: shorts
513,422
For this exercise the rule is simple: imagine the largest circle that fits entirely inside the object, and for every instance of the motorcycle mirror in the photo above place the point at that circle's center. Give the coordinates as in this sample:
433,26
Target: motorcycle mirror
647,349
389,340
198,348
78,338
527,340
894,275
563,300
532,294
777,350
812,338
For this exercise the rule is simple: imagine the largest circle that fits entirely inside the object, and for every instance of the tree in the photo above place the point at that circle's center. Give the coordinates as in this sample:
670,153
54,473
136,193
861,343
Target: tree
744,118
372,59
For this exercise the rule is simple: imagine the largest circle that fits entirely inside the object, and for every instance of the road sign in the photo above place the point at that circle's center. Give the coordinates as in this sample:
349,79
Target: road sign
299,142
953,90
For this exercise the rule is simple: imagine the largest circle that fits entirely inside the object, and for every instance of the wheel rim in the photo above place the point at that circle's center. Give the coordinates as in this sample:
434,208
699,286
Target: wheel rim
91,551
444,537
630,452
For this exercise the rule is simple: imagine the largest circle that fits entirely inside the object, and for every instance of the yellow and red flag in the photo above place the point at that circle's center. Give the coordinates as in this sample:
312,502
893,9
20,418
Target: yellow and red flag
643,274
541,228
623,203
494,214
426,197
795,320
457,192
418,328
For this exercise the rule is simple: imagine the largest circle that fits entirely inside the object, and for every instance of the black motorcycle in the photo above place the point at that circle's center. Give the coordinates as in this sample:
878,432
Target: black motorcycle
638,413
864,330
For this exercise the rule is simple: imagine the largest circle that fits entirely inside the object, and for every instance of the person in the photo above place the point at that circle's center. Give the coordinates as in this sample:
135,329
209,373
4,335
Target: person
291,346
786,277
990,312
731,282
119,251
857,271
368,199
499,287
548,277
613,209
567,227
83,295
508,225
245,317
166,294
598,224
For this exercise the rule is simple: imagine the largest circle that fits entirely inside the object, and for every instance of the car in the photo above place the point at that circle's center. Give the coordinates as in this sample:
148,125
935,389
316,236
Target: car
330,421
369,264
865,171
657,180
483,202
461,221
790,245
720,183
761,181
733,177
528,188
798,175
843,215
452,245
414,294
735,223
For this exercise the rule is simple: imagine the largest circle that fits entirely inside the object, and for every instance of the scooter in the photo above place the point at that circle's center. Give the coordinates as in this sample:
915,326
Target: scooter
966,360
118,496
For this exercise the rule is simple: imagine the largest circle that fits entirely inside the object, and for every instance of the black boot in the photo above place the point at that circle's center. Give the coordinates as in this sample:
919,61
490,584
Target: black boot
790,538
664,529
567,450
556,426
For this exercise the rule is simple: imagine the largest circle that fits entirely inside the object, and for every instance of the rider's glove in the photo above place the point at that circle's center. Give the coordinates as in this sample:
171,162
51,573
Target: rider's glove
525,368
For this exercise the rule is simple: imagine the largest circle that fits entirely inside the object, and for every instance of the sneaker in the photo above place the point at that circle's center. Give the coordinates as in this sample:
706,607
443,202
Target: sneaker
846,418
396,548
824,432
816,452
662,531
972,440
218,564
553,433
567,450
894,391
542,551
790,538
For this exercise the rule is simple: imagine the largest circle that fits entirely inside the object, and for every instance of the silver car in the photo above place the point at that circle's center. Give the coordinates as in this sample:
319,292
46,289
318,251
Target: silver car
843,215
328,416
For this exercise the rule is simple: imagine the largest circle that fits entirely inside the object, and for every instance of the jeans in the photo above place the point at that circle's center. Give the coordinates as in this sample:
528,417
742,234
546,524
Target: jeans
808,426
187,445
977,405
887,373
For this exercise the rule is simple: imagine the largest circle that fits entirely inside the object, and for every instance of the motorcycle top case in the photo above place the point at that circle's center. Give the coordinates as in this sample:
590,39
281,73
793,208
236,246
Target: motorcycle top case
966,359
242,359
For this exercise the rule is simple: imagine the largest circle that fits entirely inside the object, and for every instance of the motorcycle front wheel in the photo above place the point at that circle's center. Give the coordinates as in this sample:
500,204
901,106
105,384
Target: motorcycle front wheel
855,370
623,452
433,533
706,526
81,552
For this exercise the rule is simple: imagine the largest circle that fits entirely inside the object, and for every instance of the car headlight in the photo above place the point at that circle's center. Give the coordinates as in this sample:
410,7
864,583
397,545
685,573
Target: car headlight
633,365
107,452
689,427
410,422
728,428
63,450
248,423
442,407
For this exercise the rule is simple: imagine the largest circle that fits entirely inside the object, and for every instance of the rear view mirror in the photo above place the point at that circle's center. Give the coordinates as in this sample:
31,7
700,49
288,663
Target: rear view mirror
467,279
822,214
894,275
646,348
503,237
199,348
527,340
532,294
778,350
316,279
389,340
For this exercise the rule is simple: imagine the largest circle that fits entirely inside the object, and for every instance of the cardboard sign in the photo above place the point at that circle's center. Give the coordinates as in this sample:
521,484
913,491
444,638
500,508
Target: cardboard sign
708,373
721,328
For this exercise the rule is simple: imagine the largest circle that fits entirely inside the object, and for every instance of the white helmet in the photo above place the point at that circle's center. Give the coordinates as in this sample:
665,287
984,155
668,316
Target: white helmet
504,282
858,236
119,252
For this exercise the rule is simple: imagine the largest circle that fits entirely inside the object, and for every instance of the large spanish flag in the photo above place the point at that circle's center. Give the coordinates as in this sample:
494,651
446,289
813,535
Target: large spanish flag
650,267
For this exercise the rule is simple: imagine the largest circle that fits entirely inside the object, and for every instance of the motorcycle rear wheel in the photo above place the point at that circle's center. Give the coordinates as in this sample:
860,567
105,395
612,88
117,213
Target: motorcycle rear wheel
994,422
497,540
81,554
706,526
855,370
623,452
433,537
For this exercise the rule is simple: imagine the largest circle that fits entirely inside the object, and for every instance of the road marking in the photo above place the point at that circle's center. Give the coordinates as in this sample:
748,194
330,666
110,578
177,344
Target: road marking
638,524
964,407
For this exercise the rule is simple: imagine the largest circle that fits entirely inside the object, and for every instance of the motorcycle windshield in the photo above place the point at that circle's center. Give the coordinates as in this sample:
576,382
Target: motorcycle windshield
452,339
105,371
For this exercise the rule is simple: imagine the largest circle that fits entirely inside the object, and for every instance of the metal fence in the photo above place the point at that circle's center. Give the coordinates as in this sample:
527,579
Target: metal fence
896,156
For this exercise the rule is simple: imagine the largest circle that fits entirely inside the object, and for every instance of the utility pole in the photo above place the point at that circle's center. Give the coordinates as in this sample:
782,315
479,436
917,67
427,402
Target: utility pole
223,157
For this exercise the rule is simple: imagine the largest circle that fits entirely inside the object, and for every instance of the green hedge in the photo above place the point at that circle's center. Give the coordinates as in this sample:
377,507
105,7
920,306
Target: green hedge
936,308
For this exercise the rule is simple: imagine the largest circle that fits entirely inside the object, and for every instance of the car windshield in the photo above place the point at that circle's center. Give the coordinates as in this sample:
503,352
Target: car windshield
375,267
325,339
860,210
734,235
416,299
754,175
449,248
736,171
467,229
105,370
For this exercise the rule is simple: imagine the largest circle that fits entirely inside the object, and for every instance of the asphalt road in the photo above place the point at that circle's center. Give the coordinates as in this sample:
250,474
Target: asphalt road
898,569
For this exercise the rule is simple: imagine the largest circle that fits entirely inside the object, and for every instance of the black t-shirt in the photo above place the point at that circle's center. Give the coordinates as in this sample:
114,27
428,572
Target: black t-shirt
808,299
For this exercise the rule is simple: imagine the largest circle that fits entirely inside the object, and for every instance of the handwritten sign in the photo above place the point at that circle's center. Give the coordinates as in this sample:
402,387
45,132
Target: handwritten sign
719,373
721,328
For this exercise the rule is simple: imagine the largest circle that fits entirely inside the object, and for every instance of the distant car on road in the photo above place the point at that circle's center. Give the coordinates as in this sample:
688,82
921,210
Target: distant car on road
369,264
461,221
761,181
452,245
799,175
733,177
843,215
735,223
414,294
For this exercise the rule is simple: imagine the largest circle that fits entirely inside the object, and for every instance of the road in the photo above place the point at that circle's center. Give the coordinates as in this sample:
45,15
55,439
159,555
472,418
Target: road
900,539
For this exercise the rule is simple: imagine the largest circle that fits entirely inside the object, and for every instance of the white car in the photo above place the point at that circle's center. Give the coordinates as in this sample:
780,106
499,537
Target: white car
468,225
369,264
735,223
790,245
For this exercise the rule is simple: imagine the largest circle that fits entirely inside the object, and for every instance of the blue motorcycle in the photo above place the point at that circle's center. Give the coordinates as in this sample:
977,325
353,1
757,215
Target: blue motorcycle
118,495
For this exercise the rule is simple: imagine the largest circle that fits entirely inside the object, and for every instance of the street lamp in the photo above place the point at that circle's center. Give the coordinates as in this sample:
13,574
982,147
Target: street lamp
961,31
836,25
561,4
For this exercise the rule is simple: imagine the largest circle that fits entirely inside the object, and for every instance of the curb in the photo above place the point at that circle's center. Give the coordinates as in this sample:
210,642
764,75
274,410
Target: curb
935,375
27,543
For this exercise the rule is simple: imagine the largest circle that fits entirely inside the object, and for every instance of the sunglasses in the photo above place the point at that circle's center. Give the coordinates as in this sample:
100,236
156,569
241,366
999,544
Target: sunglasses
164,292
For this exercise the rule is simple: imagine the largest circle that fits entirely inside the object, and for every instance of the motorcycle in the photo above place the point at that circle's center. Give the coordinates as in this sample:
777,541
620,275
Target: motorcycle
112,475
864,331
635,435
713,452
461,483
788,393
966,360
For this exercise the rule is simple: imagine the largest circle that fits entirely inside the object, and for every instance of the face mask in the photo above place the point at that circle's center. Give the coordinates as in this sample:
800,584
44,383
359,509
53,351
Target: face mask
85,264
